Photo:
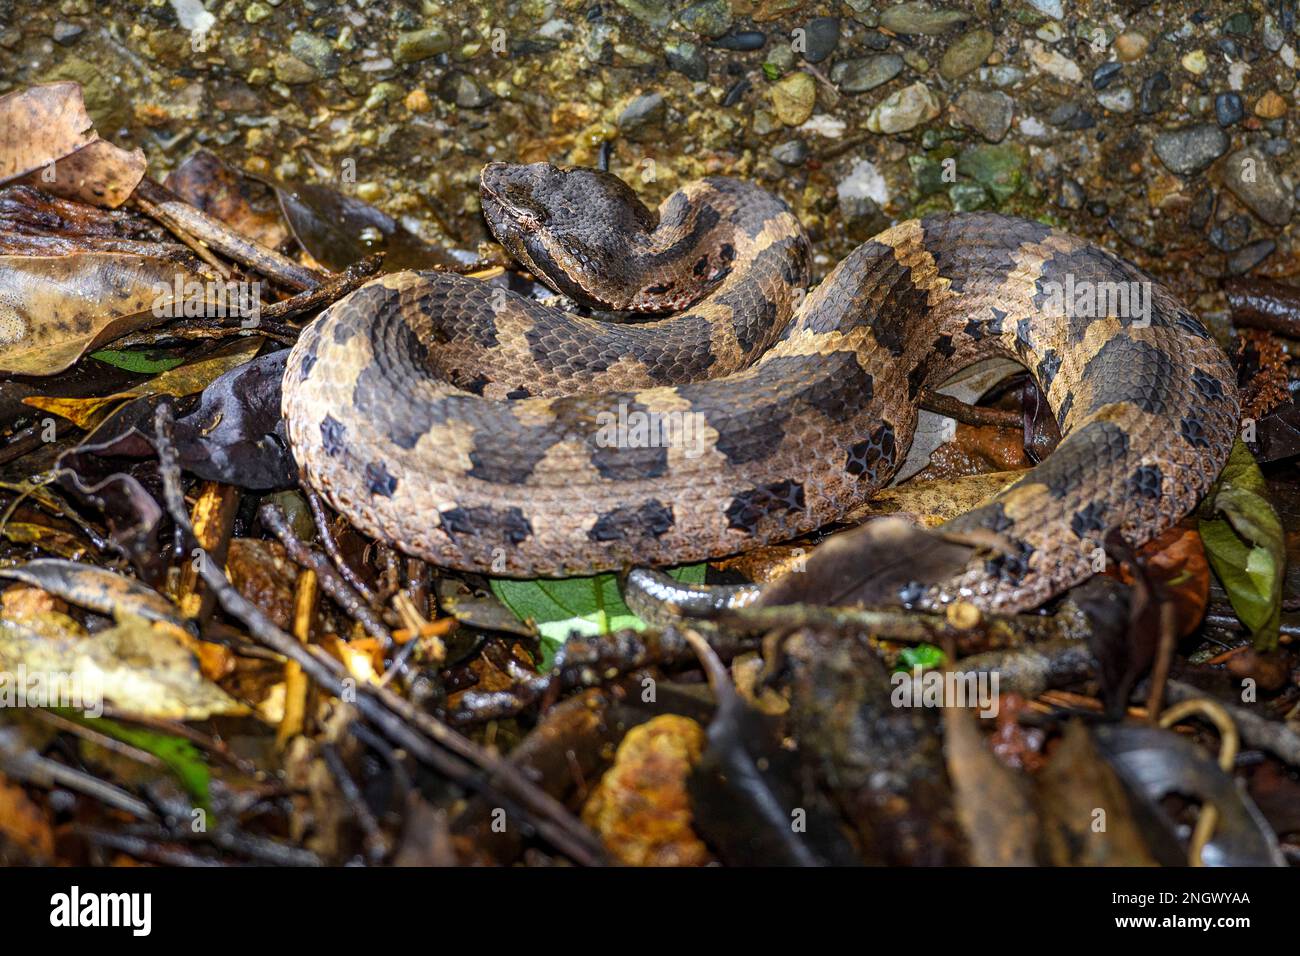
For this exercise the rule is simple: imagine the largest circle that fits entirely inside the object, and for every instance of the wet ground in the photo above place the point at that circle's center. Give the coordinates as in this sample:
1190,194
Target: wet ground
1162,129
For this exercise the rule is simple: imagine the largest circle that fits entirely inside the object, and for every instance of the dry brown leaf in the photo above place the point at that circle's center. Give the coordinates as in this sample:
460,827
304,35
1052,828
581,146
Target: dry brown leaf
48,139
55,309
24,824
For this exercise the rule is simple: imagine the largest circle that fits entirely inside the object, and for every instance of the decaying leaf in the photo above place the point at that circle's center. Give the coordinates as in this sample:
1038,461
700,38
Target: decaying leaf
993,803
244,204
138,666
55,309
180,381
97,589
47,137
1244,542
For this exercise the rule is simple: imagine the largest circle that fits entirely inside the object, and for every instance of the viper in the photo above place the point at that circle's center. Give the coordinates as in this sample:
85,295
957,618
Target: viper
726,407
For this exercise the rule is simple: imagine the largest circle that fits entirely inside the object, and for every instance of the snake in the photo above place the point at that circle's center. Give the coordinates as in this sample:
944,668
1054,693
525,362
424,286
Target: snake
697,399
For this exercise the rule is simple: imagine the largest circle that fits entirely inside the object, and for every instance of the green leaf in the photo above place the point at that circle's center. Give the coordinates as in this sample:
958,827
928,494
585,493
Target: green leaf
772,71
136,361
923,656
559,608
1244,542
180,756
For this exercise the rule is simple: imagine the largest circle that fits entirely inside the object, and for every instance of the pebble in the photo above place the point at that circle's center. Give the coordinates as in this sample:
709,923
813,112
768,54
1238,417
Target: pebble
1252,178
793,98
866,73
708,18
1050,8
1118,100
687,59
1270,106
1228,108
315,51
643,112
65,34
1251,256
966,53
1231,234
987,112
1195,62
417,101
1001,75
906,109
1239,24
415,45
792,153
1050,61
1191,149
967,197
1131,46
1070,195
822,35
1071,116
913,18
1104,74
1154,87
657,13
997,168
460,88
1273,35
293,71
741,41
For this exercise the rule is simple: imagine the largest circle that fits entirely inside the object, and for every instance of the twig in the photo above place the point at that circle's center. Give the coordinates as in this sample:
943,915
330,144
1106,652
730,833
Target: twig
185,220
329,291
375,841
969,414
331,581
429,741
332,546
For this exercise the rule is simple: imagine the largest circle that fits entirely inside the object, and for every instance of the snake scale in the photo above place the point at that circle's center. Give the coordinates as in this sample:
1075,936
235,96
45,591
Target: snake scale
482,430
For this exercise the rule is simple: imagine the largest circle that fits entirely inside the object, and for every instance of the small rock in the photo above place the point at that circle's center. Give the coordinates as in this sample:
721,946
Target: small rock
1119,100
1251,256
1001,75
1131,46
1071,116
822,35
1273,35
316,52
687,59
65,34
708,18
793,98
1104,74
1050,61
1049,8
906,109
1252,178
645,111
417,101
997,168
1071,195
866,73
1154,87
1191,149
792,153
415,45
967,197
987,112
657,13
289,69
1195,62
1228,108
1239,24
1270,106
921,18
1231,234
460,88
741,41
967,52
256,12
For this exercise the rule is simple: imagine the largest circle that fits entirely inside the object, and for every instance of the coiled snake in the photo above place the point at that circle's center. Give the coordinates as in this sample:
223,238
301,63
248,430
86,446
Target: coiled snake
481,430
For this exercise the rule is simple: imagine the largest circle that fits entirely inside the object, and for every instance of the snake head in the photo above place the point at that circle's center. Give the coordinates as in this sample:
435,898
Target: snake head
578,230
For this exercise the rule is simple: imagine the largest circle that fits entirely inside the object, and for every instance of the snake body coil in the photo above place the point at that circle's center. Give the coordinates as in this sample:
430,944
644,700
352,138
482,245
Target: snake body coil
480,430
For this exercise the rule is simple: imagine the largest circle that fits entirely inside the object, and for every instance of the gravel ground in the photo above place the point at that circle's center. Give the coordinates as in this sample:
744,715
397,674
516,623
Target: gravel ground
1162,129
